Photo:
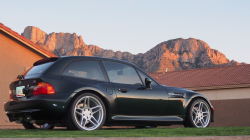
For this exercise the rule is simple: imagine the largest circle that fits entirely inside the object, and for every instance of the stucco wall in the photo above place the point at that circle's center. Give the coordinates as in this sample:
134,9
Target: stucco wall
231,106
233,112
226,94
14,58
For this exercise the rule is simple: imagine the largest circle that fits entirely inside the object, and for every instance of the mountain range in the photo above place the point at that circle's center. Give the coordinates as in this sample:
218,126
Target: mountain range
171,55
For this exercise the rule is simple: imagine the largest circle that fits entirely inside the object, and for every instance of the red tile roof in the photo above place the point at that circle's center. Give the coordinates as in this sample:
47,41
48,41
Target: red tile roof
36,47
206,77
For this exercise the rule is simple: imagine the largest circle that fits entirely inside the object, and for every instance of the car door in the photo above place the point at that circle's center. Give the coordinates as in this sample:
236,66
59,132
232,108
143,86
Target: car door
133,98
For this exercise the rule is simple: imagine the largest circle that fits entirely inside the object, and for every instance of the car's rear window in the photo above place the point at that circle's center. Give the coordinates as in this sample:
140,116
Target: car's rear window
39,68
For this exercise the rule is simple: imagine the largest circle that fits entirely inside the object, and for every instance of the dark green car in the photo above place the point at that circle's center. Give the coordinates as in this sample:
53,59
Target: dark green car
86,93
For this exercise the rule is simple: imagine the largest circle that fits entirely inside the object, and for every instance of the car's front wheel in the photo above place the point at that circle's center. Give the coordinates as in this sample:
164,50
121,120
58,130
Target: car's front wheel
86,112
198,114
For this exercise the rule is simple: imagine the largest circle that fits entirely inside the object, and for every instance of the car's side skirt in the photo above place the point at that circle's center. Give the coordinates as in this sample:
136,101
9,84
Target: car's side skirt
148,118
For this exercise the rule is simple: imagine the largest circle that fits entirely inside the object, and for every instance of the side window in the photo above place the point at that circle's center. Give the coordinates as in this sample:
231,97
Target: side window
121,73
85,69
143,76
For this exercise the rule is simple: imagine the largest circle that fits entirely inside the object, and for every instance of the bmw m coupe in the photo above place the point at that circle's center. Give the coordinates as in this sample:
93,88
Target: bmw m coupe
86,93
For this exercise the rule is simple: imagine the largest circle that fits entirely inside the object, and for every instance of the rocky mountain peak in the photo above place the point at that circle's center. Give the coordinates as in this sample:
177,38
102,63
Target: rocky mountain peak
62,42
175,54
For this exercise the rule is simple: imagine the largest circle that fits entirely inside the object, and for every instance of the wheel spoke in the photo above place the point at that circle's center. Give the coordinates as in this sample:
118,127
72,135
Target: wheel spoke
200,106
78,113
202,122
88,102
94,107
81,120
84,104
78,108
195,120
94,119
205,114
85,122
194,111
92,122
96,111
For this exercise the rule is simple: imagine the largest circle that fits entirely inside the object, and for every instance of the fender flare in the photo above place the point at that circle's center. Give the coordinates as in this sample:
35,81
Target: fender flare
78,91
204,98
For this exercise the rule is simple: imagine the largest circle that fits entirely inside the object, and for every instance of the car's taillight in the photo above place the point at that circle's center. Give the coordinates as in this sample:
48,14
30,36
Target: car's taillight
11,96
43,88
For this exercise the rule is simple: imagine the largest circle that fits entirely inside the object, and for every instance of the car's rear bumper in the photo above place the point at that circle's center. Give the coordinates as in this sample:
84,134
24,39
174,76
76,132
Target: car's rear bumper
35,109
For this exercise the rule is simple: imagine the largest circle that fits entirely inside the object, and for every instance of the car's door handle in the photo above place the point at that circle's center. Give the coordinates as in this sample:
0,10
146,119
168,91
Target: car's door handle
123,89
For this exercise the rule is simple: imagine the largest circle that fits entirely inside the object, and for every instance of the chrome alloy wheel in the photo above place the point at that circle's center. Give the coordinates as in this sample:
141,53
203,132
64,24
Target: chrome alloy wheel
201,114
88,113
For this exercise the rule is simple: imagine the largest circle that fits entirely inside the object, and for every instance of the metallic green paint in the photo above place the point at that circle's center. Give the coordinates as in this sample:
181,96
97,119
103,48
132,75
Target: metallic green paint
140,100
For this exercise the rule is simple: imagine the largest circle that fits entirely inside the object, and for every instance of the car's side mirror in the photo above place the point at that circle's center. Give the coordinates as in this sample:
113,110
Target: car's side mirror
148,83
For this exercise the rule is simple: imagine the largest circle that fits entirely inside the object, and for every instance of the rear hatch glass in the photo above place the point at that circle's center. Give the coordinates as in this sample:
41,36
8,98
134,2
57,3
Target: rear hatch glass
38,69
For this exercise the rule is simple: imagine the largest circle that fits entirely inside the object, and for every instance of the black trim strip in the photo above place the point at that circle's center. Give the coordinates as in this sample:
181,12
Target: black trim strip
147,118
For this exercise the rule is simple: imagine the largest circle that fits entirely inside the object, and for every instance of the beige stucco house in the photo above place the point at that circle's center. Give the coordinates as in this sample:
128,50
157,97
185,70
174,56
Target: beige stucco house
227,88
16,55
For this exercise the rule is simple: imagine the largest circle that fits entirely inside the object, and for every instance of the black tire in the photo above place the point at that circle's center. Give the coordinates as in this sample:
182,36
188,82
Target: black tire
82,119
196,117
147,127
28,125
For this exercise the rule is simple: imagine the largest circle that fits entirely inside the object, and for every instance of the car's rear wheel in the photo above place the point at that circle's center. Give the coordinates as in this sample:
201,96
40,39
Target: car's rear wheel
28,125
86,112
198,114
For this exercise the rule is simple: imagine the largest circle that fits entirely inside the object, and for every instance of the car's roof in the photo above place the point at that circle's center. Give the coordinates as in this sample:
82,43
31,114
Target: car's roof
57,67
100,58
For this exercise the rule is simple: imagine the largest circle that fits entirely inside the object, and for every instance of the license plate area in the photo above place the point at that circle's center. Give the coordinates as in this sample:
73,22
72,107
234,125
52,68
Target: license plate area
19,91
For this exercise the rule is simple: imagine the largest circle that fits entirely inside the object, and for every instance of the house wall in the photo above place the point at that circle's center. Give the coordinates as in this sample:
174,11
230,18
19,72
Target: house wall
231,106
15,57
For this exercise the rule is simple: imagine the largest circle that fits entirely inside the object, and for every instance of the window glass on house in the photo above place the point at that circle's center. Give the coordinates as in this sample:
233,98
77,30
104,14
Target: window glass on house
84,69
121,73
143,76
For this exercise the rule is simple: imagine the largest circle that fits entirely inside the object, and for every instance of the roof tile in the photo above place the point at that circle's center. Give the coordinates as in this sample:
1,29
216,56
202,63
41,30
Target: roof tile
218,76
26,40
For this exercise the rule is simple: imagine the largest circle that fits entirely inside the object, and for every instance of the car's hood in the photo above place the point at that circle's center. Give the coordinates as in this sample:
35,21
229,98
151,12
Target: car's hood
177,89
187,92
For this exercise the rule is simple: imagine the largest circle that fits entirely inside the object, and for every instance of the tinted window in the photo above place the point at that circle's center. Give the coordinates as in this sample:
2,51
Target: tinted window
121,73
39,68
143,76
84,69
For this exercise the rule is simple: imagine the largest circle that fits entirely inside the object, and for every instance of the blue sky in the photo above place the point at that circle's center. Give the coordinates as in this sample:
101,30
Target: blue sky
138,25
